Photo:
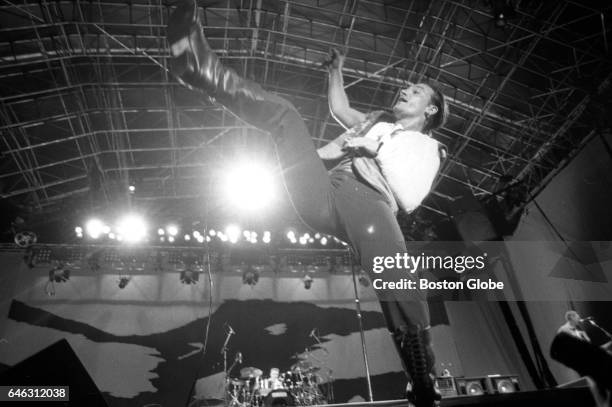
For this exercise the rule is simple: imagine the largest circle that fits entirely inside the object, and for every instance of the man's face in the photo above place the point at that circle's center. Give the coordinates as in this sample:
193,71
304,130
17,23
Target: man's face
414,101
574,318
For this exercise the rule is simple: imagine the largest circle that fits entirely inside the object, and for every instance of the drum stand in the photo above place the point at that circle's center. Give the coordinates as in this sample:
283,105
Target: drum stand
363,344
225,370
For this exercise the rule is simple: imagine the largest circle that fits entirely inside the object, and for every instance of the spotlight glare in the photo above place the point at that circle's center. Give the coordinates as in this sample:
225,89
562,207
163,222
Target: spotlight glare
78,230
172,230
132,228
200,239
291,235
196,234
323,240
187,238
266,238
233,233
94,228
250,186
171,239
212,232
161,231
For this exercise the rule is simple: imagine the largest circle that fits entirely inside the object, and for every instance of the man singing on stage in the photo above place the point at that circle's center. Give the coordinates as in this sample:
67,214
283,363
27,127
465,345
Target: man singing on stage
385,165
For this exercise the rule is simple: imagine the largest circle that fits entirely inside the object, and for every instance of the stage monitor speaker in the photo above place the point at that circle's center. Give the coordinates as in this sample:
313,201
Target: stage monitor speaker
471,220
472,386
504,384
56,365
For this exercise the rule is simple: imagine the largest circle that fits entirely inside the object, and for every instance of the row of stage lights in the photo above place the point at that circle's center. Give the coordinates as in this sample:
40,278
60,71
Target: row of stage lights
133,229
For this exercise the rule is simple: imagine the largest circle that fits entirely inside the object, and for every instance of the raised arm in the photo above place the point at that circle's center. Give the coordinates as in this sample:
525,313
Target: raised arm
339,105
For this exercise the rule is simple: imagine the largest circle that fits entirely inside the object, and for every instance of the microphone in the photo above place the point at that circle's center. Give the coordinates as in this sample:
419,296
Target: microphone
231,331
587,319
326,63
312,333
239,357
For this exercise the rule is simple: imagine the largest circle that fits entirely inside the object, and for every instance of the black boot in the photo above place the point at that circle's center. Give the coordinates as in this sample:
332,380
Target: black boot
416,353
196,65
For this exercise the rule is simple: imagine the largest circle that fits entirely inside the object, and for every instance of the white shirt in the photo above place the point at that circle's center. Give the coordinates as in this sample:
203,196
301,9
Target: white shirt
409,161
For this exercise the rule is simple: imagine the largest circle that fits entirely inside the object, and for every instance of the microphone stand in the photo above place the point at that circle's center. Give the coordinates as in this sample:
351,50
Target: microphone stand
364,351
225,371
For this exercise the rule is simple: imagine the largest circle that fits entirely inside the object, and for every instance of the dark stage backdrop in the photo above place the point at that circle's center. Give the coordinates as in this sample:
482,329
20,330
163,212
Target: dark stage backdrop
143,344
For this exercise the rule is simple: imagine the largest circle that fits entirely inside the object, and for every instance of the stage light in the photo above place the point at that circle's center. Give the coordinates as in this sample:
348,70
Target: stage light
200,239
189,277
171,239
111,236
79,231
307,280
250,276
196,233
161,231
132,228
317,235
132,188
291,235
250,186
323,240
172,230
303,240
59,274
208,239
123,281
267,237
311,240
212,232
187,238
94,228
233,233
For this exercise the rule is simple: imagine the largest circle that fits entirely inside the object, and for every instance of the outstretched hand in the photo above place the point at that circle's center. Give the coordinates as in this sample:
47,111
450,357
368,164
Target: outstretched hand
335,60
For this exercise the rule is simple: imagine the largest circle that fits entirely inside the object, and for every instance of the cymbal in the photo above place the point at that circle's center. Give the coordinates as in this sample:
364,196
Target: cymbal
249,372
301,365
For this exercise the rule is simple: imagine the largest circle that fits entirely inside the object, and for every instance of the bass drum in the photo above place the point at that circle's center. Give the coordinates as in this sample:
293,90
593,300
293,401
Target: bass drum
279,398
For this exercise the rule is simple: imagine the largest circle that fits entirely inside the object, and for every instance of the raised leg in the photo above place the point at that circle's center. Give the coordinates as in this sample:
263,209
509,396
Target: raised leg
197,67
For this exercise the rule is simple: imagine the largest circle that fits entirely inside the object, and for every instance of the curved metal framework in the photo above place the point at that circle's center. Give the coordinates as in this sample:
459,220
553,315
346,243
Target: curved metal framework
87,105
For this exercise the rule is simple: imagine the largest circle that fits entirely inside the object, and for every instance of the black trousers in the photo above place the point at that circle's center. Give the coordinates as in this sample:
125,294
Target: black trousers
337,203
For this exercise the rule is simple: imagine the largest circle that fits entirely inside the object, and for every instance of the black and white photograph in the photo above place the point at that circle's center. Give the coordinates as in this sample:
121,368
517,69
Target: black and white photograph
272,203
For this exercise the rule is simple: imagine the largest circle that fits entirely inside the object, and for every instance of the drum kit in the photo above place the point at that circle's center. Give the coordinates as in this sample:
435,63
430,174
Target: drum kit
298,386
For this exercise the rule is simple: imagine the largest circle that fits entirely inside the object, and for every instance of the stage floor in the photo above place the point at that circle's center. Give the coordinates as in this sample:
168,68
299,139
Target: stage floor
571,397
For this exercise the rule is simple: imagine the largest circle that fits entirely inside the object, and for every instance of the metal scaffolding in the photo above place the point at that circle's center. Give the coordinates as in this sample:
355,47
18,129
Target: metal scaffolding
85,90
